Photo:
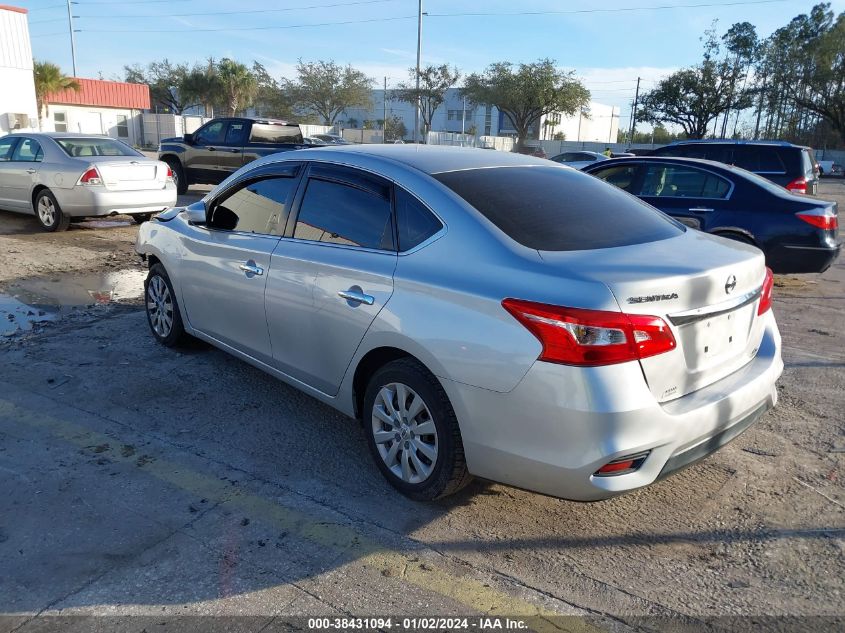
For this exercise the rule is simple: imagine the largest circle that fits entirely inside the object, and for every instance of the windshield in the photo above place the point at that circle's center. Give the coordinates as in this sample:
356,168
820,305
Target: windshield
82,147
559,209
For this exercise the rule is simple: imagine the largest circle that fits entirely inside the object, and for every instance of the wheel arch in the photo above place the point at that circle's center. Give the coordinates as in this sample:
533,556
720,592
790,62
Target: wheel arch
35,191
730,231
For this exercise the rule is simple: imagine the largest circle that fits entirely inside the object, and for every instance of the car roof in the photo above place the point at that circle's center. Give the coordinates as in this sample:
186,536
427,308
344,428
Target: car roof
58,134
723,141
700,162
434,159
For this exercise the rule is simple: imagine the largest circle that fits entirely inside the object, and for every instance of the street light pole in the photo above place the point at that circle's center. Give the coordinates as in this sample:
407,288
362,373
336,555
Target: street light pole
384,120
634,114
72,37
419,50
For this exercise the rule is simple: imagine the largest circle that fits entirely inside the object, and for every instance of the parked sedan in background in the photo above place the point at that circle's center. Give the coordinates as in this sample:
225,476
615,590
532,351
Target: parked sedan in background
798,234
59,176
583,347
579,160
332,139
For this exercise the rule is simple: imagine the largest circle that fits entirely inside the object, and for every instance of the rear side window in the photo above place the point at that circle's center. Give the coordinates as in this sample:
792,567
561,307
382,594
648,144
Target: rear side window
269,133
236,134
554,209
676,181
761,160
341,213
415,223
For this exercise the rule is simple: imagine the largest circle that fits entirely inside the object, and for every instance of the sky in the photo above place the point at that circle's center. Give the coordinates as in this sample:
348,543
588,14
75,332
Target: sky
608,44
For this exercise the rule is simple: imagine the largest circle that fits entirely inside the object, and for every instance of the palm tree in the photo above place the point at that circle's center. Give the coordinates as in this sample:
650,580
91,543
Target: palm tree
49,79
238,83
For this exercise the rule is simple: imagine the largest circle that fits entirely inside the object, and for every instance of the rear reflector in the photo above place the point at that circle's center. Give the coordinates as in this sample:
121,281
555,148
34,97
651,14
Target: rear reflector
90,177
573,336
766,293
820,219
799,185
623,465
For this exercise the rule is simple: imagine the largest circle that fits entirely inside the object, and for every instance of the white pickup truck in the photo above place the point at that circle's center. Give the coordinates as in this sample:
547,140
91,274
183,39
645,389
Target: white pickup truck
830,168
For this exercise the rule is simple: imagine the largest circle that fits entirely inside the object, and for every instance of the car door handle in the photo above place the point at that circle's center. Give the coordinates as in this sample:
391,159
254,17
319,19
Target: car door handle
31,170
211,149
356,296
251,269
701,209
234,151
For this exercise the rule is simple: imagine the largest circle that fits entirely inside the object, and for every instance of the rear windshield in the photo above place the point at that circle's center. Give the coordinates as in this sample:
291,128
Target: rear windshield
95,147
268,133
558,209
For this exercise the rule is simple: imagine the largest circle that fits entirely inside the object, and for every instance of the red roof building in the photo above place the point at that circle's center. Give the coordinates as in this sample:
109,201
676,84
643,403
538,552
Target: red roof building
104,94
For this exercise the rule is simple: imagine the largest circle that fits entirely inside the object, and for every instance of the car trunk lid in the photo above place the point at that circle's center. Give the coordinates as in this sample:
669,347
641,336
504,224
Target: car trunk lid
131,174
705,288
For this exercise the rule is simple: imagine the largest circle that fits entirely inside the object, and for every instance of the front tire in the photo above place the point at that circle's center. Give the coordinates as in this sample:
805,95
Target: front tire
49,213
162,308
413,433
140,218
179,178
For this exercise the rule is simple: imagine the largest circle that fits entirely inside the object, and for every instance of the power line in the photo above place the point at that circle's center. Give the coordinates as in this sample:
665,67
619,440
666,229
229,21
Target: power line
245,12
250,28
50,20
52,6
615,10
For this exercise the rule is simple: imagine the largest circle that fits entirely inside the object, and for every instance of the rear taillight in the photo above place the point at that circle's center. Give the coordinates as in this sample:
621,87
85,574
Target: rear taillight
573,336
766,293
169,173
799,185
90,177
820,219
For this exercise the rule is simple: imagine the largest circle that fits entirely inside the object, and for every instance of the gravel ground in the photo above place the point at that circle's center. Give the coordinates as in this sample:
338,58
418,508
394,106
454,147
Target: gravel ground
139,480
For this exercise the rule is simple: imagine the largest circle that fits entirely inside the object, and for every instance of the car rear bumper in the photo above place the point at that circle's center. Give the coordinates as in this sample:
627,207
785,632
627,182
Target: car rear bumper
98,201
788,259
555,429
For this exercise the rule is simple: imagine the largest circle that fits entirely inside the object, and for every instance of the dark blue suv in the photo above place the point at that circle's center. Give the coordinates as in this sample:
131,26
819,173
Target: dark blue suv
797,233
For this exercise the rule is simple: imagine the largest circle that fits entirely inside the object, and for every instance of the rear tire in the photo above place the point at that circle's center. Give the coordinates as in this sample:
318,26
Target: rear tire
49,213
413,433
179,178
162,309
738,237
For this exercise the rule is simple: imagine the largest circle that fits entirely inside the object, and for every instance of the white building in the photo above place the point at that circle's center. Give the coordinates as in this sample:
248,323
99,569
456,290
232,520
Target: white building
598,124
99,107
18,109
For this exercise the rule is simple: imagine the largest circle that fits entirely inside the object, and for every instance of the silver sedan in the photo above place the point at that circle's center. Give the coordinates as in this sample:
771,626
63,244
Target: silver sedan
481,313
59,176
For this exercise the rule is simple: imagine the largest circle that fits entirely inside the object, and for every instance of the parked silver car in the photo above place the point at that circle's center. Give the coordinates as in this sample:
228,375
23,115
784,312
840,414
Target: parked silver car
482,313
579,159
59,176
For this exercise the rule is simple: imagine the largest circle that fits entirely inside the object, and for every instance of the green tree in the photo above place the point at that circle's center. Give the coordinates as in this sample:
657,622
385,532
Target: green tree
434,81
526,92
48,80
166,82
272,99
394,128
239,85
202,85
327,89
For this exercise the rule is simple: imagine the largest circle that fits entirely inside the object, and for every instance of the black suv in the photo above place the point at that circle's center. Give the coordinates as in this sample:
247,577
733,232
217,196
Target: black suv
222,146
788,165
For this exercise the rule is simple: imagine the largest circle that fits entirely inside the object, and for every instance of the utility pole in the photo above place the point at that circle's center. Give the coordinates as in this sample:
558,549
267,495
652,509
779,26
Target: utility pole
384,120
464,116
634,113
419,50
72,37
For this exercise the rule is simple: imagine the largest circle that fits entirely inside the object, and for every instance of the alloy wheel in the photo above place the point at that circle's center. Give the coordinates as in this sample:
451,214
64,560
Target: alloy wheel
160,306
46,211
404,432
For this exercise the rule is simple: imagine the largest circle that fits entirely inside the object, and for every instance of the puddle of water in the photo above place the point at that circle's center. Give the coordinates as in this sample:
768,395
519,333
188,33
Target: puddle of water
32,301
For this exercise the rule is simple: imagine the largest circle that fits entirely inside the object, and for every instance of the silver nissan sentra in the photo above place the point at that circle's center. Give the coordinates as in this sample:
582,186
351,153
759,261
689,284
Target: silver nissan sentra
482,313
59,176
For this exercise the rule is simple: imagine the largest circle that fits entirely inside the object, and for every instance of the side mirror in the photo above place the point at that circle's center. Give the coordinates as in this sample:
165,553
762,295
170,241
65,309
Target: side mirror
196,213
189,139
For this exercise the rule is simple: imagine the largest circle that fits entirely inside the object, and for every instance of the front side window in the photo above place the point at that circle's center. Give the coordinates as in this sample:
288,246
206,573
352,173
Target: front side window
212,134
675,181
622,176
554,209
80,147
60,121
6,145
256,207
341,213
122,126
28,151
